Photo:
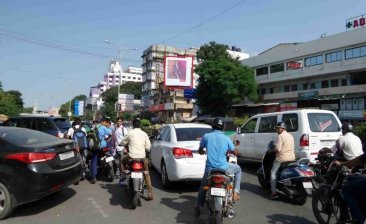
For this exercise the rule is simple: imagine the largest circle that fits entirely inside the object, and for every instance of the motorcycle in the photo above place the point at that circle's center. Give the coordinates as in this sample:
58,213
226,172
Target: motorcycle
295,178
107,164
219,193
327,202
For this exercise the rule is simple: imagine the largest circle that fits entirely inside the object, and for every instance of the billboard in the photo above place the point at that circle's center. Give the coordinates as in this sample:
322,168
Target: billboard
178,71
125,102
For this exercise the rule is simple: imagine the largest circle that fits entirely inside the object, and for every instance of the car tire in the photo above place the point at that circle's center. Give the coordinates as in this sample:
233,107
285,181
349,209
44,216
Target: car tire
5,202
164,177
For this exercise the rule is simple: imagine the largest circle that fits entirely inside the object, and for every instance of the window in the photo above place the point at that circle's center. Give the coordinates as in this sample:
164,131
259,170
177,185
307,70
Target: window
291,121
344,82
287,88
191,134
267,124
123,77
315,60
263,91
271,90
305,86
325,84
43,124
249,127
322,122
134,78
335,56
165,136
355,52
334,83
312,85
277,68
262,71
294,87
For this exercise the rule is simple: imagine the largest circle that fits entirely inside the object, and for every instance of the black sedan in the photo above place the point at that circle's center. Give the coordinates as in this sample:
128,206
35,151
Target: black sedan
33,165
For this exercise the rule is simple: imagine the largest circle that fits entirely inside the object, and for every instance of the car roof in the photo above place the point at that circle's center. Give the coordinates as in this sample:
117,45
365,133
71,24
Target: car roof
190,125
294,111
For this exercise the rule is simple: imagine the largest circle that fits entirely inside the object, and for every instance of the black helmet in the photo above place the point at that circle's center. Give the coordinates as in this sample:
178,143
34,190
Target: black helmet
218,123
347,127
136,123
281,124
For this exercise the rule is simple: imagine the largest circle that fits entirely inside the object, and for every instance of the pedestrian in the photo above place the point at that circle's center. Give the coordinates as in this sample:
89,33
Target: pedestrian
119,134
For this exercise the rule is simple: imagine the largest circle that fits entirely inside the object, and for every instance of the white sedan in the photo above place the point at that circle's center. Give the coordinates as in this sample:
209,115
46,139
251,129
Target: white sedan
174,152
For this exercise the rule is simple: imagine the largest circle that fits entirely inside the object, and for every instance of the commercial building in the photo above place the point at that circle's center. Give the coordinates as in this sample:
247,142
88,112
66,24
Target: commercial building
327,73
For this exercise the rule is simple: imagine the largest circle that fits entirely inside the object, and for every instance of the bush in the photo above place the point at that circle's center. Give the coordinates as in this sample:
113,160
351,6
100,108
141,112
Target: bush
360,131
239,121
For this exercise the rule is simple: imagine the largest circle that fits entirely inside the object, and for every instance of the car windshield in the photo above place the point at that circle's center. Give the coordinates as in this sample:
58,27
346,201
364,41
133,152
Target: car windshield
62,123
24,137
323,122
191,134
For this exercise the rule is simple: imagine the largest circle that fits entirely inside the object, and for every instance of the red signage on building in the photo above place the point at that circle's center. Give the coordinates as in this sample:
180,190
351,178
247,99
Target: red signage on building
294,64
356,22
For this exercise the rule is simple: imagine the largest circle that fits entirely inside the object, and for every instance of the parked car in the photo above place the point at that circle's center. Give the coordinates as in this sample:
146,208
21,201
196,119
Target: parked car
33,165
174,152
55,126
312,130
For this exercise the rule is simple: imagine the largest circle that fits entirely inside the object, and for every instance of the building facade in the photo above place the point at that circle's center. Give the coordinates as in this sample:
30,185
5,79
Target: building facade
327,73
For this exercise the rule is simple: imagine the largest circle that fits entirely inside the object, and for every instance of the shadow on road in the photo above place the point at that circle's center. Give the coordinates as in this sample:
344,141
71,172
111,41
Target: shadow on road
118,196
44,204
287,219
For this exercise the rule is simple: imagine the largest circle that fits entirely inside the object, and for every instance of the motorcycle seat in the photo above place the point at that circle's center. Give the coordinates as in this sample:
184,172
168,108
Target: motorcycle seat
289,163
217,170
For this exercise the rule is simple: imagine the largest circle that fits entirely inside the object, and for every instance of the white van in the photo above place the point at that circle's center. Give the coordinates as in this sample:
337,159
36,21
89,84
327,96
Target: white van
312,130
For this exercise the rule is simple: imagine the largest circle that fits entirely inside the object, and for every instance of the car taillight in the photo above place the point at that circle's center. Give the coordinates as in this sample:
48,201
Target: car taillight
137,165
179,153
32,157
304,140
217,179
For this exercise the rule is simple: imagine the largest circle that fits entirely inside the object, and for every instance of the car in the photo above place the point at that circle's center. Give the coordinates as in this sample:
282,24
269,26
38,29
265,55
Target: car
33,165
229,126
312,130
52,125
174,152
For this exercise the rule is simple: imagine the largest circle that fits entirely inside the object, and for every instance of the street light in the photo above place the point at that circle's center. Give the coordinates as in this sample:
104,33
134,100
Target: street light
120,50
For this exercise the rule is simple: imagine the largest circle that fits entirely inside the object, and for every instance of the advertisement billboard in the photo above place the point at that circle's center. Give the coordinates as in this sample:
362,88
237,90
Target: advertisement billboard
178,71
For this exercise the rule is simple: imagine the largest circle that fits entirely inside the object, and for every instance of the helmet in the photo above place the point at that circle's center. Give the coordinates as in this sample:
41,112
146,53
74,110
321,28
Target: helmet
218,123
136,123
281,124
347,127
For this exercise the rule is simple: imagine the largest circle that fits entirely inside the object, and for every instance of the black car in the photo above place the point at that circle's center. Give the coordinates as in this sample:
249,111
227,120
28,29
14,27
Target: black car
55,126
33,165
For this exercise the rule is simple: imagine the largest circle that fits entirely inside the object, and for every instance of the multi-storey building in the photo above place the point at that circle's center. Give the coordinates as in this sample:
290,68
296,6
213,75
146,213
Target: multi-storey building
327,73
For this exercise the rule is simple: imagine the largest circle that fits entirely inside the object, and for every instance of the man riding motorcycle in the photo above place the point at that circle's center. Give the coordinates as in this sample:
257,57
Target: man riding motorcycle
217,144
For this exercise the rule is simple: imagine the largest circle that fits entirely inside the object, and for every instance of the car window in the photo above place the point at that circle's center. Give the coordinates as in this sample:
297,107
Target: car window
166,135
291,121
11,123
25,123
191,134
62,123
249,127
43,124
229,126
24,137
161,132
267,124
323,122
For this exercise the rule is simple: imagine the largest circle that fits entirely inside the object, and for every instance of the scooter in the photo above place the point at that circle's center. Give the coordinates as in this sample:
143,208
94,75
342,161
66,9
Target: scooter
295,178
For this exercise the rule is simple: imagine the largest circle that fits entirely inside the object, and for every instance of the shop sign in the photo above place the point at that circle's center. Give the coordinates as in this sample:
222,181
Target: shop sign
356,22
288,106
308,95
292,65
329,106
349,114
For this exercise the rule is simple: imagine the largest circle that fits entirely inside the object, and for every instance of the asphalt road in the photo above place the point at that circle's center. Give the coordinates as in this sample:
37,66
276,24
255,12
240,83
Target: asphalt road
105,203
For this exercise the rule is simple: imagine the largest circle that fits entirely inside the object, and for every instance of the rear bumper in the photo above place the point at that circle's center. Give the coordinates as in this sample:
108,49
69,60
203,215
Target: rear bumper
180,170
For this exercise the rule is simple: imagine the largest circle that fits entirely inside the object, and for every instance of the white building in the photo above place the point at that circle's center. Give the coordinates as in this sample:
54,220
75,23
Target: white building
328,73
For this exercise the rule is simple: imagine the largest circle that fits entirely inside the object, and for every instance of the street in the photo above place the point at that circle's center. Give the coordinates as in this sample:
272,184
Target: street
106,203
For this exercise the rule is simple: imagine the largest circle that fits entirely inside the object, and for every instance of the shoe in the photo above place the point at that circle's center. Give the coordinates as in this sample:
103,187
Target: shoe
274,196
236,196
93,180
150,196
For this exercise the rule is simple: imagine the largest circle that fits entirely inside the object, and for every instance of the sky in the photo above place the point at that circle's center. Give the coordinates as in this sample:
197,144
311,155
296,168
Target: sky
52,51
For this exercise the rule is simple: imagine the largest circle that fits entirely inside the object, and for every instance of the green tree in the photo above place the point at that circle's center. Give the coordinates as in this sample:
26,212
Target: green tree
8,105
66,107
17,97
1,86
134,88
28,110
222,81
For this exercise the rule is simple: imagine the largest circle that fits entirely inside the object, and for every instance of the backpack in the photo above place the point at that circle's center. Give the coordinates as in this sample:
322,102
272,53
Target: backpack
80,137
93,139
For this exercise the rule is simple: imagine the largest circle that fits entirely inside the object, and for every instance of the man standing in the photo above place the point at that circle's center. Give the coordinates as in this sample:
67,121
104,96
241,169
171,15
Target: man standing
104,133
217,144
285,151
138,142
119,135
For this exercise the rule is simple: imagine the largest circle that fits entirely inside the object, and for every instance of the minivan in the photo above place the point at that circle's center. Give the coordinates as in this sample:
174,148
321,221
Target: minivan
312,130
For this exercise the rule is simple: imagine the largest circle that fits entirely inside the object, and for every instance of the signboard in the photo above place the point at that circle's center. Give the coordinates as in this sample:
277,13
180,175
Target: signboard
356,22
190,93
329,106
125,102
308,95
292,65
178,71
288,106
78,108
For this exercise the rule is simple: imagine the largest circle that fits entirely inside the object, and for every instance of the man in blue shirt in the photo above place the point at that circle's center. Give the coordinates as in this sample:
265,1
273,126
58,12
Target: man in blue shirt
217,145
104,134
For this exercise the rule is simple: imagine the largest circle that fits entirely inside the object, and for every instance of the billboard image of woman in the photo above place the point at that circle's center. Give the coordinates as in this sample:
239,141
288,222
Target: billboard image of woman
178,71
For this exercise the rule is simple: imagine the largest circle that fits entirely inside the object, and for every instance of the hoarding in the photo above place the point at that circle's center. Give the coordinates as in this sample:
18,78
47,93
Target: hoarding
178,71
125,102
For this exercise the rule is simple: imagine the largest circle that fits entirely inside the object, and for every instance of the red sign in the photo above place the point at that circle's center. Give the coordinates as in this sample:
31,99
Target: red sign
356,22
294,64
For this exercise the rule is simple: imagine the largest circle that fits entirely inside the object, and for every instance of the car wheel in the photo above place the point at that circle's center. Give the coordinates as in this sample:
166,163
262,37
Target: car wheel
164,177
5,202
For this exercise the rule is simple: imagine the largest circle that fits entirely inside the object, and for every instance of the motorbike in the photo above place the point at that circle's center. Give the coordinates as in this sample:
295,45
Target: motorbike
327,202
295,178
107,164
135,182
219,193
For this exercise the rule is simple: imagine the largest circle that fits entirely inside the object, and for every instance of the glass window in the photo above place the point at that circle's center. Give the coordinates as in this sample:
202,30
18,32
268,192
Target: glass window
191,134
292,122
263,91
294,87
355,52
277,68
267,124
62,123
271,90
335,56
315,60
166,135
363,51
43,124
287,88
334,83
325,84
262,71
323,122
344,82
305,86
249,127
312,85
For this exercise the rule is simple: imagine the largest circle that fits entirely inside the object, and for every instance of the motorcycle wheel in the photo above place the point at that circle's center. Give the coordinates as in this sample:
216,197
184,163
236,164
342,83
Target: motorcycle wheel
301,198
263,182
218,217
325,207
110,172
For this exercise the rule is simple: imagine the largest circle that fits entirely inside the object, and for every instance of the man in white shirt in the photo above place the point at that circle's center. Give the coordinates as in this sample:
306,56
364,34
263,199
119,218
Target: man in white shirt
75,125
348,146
119,134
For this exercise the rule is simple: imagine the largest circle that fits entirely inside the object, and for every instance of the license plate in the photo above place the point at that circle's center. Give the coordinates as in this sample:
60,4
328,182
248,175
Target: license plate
218,191
66,155
327,143
136,175
307,185
109,159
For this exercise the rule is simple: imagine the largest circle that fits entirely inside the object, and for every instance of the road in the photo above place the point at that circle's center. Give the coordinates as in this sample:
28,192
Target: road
106,203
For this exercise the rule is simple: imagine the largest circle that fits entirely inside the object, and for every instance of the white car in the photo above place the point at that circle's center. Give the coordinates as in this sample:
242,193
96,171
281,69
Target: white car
174,152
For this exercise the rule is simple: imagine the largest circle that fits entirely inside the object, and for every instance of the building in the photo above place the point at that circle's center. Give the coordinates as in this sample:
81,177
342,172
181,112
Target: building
327,73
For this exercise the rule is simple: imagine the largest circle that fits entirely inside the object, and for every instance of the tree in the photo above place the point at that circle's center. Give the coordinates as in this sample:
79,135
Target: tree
17,97
8,105
134,88
66,107
222,81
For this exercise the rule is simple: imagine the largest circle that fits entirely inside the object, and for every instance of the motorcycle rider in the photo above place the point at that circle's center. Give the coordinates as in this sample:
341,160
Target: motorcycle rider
353,189
217,144
285,152
138,142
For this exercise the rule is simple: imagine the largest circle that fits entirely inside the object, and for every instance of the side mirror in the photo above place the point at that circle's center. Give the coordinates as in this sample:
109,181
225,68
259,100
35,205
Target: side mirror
238,130
158,137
